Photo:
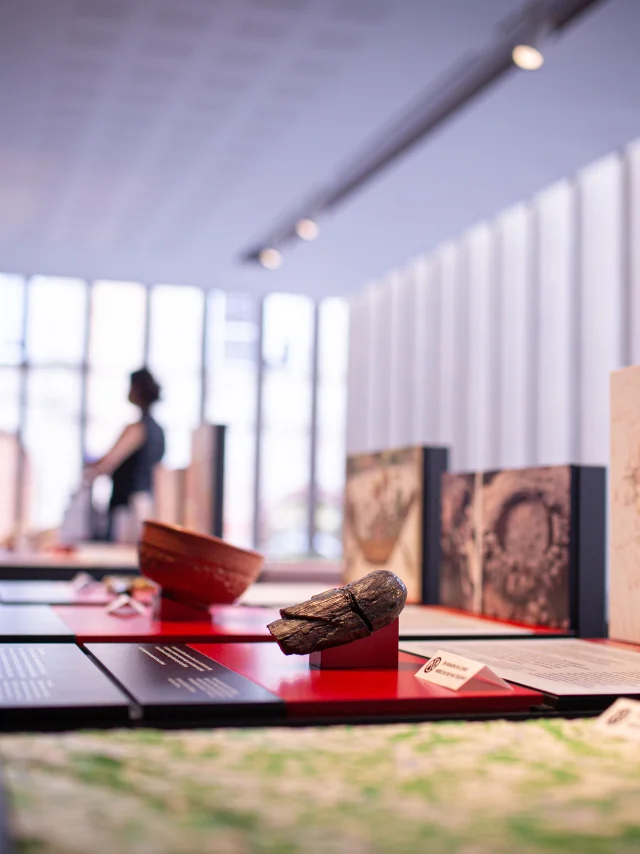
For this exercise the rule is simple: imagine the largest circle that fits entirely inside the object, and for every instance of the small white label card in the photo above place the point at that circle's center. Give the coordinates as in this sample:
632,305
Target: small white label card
622,719
455,672
80,580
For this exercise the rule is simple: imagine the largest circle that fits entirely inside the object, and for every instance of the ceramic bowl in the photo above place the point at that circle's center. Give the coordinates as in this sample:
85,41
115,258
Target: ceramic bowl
195,568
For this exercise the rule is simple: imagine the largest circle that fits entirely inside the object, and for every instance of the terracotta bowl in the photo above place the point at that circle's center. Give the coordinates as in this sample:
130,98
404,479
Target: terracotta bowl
195,568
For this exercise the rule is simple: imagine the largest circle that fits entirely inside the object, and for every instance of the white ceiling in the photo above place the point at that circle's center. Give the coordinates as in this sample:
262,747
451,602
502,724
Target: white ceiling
156,139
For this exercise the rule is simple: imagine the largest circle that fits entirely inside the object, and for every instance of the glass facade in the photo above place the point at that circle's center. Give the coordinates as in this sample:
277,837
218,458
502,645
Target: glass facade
285,458
272,370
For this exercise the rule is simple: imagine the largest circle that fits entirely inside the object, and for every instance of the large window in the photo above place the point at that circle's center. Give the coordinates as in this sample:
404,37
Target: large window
52,439
116,347
231,395
286,424
11,319
333,333
175,357
9,400
55,342
67,348
56,321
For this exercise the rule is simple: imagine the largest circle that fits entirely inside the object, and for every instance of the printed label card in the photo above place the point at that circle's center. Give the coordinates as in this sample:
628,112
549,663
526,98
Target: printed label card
457,673
622,719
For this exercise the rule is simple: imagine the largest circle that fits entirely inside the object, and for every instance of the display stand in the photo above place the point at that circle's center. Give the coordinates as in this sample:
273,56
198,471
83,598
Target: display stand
378,651
166,609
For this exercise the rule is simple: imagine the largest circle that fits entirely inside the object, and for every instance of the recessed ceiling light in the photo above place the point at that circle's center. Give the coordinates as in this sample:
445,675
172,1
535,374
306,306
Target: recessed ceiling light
307,229
527,57
270,258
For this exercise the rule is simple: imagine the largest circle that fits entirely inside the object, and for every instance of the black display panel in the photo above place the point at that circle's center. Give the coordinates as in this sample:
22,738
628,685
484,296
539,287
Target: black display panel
49,686
173,683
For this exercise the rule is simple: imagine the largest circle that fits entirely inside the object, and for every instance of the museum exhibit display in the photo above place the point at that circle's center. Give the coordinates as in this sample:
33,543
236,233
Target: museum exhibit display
572,673
32,622
342,615
308,319
232,684
391,513
204,481
82,590
527,545
193,571
175,683
52,593
624,506
424,621
220,622
55,685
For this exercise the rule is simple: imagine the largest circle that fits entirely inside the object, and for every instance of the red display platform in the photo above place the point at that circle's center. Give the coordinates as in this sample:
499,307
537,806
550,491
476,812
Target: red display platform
228,623
310,693
378,651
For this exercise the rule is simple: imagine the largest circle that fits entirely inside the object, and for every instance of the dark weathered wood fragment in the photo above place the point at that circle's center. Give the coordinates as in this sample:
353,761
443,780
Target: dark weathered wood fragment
341,615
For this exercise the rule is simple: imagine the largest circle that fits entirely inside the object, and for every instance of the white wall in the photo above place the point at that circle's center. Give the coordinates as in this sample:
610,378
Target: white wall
499,344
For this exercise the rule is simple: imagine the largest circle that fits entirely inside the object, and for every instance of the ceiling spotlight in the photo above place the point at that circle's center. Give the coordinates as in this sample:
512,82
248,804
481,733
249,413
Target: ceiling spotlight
527,57
307,229
270,258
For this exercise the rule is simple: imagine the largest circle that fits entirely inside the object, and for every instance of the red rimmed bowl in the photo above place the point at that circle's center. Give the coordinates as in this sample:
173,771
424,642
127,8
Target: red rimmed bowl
195,568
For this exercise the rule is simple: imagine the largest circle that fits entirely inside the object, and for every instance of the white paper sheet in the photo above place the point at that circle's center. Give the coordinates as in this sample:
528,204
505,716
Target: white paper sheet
563,667
433,622
275,594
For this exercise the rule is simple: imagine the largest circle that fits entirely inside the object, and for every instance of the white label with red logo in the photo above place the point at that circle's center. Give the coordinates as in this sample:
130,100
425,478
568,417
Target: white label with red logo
622,719
455,672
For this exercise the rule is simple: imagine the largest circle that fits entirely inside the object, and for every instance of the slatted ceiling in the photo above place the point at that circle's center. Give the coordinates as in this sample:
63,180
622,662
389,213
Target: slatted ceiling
103,10
262,30
183,18
361,11
280,5
238,56
93,39
337,39
199,121
295,91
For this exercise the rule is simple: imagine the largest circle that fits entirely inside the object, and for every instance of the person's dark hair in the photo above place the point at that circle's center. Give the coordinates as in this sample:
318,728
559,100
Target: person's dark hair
146,388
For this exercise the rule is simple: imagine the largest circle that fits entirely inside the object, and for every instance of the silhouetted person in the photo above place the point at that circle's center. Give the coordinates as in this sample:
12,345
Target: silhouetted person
131,461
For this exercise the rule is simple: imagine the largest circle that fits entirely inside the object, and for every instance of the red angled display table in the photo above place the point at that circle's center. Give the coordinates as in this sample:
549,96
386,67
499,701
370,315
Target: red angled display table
309,693
228,623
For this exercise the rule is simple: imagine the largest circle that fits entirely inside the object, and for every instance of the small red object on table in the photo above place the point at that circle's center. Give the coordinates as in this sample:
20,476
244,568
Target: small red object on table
378,651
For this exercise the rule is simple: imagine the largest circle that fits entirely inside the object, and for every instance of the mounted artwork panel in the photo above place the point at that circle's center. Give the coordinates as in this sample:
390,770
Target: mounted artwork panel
461,569
392,509
527,545
624,506
204,480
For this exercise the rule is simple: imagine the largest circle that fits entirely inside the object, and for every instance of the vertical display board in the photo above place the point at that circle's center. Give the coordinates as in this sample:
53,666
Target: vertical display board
169,495
392,508
204,481
527,545
624,506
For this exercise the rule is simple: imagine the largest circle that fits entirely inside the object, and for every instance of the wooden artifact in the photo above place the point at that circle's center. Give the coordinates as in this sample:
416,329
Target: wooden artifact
341,615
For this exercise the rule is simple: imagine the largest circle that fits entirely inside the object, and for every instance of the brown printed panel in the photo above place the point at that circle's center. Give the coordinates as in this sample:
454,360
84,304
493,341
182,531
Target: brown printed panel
460,570
526,545
383,516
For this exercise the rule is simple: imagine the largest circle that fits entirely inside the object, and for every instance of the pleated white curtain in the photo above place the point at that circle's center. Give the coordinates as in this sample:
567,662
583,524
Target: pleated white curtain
499,344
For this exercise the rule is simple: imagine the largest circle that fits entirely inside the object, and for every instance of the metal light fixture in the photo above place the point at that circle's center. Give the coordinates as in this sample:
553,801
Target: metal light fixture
527,57
307,229
517,43
270,258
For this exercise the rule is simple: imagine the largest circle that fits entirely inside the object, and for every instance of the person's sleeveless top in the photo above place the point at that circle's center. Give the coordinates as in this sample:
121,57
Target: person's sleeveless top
135,474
